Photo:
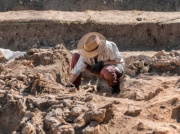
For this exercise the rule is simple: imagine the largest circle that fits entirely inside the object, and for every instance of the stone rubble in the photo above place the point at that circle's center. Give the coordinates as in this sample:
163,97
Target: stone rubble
33,98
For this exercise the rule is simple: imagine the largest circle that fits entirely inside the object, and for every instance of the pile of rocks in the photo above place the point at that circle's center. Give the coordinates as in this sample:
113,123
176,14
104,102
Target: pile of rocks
161,62
50,113
34,100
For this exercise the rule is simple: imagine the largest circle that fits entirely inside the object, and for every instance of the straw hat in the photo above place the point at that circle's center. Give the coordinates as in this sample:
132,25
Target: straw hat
91,44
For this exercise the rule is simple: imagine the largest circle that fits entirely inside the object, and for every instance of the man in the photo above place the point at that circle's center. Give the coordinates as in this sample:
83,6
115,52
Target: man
100,57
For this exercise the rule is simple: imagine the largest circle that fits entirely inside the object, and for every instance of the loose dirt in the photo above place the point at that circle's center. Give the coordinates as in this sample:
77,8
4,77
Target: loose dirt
33,98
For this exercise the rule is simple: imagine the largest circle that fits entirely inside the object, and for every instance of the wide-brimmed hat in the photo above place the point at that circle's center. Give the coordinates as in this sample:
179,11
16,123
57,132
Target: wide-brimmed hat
91,44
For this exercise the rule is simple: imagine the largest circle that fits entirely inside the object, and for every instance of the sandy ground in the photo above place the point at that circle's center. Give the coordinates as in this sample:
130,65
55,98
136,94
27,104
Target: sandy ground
34,100
112,16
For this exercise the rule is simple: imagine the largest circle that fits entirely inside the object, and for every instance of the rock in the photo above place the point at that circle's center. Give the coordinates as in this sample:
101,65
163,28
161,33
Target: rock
32,51
141,126
78,110
28,129
177,61
28,63
2,82
145,69
59,46
27,116
67,102
139,19
133,111
140,95
21,77
88,98
64,129
2,58
39,130
53,117
48,121
176,54
92,128
161,131
46,58
116,102
130,72
40,102
3,92
160,53
161,63
154,93
141,64
97,115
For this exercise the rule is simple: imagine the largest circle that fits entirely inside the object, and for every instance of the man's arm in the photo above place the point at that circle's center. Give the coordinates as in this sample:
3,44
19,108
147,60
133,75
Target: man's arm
75,72
72,78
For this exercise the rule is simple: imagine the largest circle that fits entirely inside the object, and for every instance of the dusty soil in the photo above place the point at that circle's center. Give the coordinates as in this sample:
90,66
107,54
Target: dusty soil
82,5
130,30
33,98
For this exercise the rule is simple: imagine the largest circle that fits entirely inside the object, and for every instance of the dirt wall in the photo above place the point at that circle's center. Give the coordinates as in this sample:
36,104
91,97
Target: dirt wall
82,5
145,36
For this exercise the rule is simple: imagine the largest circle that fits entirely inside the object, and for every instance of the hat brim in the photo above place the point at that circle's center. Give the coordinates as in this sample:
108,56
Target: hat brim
94,53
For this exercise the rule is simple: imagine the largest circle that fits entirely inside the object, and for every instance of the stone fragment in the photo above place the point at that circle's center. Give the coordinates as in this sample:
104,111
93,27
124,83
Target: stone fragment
78,110
67,102
32,51
139,19
161,131
88,98
28,129
130,72
160,53
2,58
141,64
97,115
140,95
53,117
2,82
145,69
92,128
141,126
62,129
133,111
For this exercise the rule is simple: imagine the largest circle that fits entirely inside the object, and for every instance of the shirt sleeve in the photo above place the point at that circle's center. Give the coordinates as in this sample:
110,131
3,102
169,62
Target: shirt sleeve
114,53
79,67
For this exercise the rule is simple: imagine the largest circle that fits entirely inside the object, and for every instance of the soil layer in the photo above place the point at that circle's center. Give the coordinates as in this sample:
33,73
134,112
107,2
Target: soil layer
82,5
130,30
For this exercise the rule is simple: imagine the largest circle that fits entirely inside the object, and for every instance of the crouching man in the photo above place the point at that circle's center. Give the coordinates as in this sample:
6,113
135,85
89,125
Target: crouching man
100,57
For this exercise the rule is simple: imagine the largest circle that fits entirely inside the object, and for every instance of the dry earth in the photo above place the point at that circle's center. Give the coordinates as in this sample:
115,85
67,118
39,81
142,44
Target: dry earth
33,99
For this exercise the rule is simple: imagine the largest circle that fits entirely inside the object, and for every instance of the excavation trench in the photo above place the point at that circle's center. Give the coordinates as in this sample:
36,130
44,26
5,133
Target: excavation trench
130,37
33,97
145,31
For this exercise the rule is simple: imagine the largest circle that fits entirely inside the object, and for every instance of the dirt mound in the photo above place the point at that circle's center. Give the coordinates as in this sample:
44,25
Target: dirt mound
81,5
161,62
34,100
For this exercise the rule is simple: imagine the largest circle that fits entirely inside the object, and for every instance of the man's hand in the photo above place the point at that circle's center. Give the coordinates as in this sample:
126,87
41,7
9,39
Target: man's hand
97,67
